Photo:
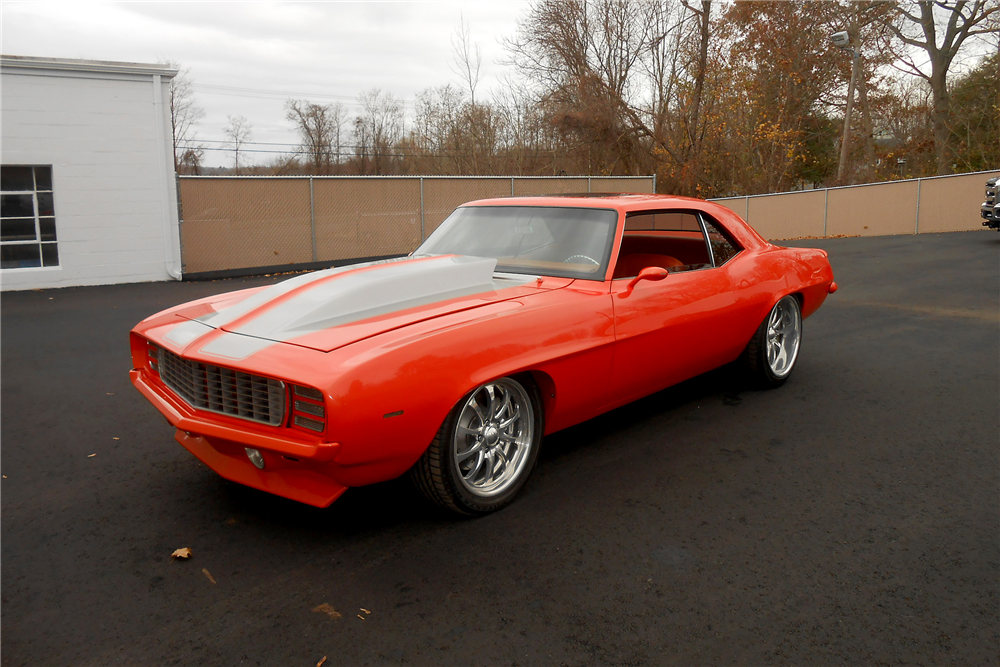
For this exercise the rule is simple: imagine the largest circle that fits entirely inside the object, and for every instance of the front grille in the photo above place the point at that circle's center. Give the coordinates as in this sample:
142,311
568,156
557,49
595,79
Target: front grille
224,390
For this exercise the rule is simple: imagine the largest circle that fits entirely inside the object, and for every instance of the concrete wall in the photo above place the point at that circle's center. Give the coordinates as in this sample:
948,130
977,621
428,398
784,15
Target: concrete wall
105,130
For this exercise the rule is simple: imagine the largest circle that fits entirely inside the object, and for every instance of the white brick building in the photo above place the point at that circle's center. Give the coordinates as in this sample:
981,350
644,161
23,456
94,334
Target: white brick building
87,183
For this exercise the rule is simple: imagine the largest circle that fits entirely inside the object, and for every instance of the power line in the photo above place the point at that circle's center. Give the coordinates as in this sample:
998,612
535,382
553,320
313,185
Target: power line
263,93
249,143
352,154
232,150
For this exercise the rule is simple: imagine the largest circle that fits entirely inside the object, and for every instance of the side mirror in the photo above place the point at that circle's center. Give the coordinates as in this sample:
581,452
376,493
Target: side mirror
648,273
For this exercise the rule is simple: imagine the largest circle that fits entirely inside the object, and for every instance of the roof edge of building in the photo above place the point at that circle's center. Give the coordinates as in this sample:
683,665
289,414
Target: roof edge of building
79,65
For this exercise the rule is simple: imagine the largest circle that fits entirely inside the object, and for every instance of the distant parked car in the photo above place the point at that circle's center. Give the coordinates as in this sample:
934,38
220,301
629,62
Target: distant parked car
990,210
516,318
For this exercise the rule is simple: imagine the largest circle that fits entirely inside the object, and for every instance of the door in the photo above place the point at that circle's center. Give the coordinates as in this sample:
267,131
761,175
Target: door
672,329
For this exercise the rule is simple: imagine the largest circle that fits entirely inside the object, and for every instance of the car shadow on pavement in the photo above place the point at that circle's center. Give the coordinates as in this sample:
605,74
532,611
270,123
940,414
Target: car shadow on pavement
726,382
375,508
359,510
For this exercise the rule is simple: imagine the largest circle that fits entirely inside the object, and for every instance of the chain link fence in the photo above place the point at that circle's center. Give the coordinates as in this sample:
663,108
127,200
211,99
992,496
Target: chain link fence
233,224
921,205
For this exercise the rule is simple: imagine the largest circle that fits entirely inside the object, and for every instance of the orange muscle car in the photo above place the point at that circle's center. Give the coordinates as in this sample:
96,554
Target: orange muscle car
516,318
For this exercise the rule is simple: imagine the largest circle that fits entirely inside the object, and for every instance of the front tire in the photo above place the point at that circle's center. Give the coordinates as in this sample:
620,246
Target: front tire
485,450
771,354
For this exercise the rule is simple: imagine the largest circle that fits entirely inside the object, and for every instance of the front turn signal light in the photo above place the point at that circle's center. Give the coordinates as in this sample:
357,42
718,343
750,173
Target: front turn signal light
308,411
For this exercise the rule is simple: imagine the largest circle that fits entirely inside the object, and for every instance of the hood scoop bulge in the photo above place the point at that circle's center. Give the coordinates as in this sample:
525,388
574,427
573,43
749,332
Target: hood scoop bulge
329,309
370,292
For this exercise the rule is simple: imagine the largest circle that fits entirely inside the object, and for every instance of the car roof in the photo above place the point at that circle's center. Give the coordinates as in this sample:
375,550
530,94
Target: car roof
620,201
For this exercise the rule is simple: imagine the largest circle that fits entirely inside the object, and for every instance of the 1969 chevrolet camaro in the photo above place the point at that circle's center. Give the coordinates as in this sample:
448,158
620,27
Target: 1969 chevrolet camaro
516,318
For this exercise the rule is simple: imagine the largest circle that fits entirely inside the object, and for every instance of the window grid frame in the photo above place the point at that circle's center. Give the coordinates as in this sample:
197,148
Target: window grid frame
36,218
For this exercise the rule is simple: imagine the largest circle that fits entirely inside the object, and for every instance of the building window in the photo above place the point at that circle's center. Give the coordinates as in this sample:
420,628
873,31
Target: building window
27,218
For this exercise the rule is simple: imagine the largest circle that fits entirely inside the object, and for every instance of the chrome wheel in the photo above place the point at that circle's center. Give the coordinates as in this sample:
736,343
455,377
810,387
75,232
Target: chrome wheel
493,438
784,332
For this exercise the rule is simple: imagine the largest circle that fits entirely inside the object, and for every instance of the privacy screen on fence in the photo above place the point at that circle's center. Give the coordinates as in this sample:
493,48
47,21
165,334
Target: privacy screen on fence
233,223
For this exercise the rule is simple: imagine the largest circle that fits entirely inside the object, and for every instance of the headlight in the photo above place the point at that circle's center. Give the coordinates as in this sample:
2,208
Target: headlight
153,357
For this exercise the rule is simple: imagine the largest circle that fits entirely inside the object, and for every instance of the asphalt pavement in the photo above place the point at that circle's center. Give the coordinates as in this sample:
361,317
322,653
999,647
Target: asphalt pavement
851,516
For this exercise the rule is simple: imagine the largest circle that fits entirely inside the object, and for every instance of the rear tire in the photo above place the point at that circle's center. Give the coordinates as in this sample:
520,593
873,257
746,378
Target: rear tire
485,450
770,356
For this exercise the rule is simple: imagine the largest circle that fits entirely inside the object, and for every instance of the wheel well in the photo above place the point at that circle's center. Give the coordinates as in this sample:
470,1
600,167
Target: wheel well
546,388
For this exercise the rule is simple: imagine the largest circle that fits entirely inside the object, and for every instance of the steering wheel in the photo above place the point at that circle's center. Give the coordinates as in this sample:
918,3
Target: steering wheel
571,258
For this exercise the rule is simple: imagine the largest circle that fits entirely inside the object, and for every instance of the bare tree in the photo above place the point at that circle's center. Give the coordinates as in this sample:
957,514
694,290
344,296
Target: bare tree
468,58
467,63
938,29
319,128
438,113
584,58
377,130
239,132
695,131
184,114
688,79
190,162
523,137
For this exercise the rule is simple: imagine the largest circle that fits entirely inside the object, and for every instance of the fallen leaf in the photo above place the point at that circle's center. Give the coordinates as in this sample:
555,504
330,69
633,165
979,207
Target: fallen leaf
113,438
365,610
5,476
320,663
208,574
361,617
184,553
90,456
328,610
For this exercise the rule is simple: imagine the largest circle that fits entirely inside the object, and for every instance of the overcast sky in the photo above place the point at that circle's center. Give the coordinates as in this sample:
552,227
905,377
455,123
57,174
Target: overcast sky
247,58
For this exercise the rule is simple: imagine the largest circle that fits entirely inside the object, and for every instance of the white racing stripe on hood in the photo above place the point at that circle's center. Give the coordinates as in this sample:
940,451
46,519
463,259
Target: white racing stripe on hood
240,309
184,333
235,346
365,294
191,330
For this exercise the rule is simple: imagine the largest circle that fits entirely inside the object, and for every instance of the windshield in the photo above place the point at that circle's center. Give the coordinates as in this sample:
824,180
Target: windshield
540,240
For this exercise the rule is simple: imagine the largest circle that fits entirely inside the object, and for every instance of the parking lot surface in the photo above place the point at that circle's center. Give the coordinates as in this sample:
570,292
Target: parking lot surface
849,517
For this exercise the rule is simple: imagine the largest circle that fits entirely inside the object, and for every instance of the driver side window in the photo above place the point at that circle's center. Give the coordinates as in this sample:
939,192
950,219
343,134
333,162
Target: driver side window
672,240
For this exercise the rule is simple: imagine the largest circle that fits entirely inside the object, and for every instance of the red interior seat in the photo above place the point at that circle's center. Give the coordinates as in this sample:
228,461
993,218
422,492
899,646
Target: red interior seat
630,265
688,250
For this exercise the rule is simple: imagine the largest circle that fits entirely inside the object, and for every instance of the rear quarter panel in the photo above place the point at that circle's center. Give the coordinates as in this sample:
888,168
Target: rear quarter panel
762,277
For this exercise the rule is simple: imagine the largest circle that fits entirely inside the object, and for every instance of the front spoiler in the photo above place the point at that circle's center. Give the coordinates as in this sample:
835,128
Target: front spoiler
280,476
293,469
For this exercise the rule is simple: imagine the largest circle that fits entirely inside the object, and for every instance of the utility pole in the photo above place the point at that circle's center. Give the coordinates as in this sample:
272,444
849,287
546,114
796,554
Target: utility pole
843,41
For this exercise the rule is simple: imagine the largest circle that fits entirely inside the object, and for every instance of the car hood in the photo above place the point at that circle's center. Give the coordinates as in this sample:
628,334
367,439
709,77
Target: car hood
328,309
